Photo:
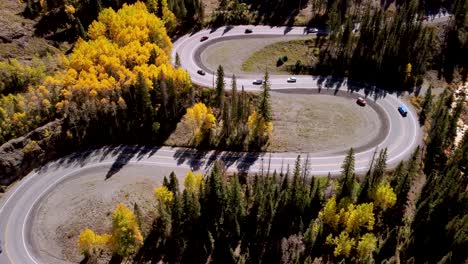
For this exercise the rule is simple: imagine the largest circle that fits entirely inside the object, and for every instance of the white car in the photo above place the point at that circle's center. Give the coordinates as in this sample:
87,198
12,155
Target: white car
291,79
312,30
258,82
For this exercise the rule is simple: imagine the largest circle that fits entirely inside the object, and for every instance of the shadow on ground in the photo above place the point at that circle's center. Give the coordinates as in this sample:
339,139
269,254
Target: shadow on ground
201,159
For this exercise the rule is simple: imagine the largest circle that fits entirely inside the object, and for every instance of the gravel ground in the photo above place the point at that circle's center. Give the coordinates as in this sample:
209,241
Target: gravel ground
88,201
232,53
321,123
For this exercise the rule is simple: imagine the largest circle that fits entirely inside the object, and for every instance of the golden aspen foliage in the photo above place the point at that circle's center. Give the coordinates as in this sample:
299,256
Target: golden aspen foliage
343,244
258,127
408,70
385,197
193,182
366,245
89,241
120,46
163,194
357,217
329,213
200,120
126,235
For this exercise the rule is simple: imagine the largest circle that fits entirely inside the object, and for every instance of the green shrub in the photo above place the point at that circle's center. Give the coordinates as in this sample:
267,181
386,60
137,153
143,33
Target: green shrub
279,62
285,58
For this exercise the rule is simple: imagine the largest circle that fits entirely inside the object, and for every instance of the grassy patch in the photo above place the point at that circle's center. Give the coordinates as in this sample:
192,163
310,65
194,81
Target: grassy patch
303,50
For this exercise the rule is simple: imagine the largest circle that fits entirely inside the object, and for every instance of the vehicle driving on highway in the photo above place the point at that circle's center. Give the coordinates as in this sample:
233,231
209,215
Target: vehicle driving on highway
361,101
312,30
201,72
248,31
403,111
203,38
258,82
291,79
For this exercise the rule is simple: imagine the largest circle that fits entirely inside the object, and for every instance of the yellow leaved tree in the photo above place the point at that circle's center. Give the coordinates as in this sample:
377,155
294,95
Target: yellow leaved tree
121,45
200,120
384,196
126,235
163,194
259,129
89,242
193,182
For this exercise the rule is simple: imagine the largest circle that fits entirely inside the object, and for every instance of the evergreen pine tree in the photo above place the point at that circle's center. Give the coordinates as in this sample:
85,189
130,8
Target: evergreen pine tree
265,108
173,184
234,101
426,106
347,179
220,87
143,99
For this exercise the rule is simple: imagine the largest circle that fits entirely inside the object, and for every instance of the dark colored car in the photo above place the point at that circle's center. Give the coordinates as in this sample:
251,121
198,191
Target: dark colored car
248,31
403,111
258,82
361,101
201,72
203,38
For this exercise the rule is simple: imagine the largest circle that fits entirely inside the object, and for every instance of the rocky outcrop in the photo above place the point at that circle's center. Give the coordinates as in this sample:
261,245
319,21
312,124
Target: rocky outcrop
21,155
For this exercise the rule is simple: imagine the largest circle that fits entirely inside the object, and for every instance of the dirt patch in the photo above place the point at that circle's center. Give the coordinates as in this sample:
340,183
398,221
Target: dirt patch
87,201
321,123
232,53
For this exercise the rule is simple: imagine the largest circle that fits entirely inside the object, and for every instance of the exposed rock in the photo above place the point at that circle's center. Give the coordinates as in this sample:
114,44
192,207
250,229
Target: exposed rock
21,155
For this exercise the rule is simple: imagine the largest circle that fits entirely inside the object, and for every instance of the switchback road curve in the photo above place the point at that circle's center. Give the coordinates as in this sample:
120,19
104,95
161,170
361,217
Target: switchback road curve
19,204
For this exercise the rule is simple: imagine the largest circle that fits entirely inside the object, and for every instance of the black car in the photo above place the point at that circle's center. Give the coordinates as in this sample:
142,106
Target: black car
201,72
248,31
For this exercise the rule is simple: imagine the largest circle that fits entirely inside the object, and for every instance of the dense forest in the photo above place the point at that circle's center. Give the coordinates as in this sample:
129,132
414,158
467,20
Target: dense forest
118,85
289,216
122,79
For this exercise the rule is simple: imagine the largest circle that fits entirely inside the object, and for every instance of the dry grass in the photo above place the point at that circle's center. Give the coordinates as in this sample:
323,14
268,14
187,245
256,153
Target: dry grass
267,57
320,123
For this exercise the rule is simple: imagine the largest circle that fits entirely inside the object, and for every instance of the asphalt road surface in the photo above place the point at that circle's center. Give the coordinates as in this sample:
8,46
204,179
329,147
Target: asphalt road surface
22,199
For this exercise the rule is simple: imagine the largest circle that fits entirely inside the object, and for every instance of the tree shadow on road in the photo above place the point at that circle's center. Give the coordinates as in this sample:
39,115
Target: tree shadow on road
126,153
202,159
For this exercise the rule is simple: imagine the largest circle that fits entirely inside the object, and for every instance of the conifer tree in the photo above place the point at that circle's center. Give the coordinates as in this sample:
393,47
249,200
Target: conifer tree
214,200
347,179
265,108
173,183
235,100
220,87
426,106
143,99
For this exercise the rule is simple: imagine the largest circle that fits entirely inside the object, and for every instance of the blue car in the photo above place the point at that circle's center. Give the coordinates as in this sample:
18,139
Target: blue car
403,111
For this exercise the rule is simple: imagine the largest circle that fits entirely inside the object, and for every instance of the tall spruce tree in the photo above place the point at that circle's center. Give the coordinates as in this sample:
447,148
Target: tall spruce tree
220,87
265,108
426,106
347,179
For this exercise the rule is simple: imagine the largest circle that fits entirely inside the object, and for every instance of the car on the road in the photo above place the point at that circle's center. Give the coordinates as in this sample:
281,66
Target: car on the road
312,30
291,79
203,38
361,101
248,31
403,111
258,82
201,72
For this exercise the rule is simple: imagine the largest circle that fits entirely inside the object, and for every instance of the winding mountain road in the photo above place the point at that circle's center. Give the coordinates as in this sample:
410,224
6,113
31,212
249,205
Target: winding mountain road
19,204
